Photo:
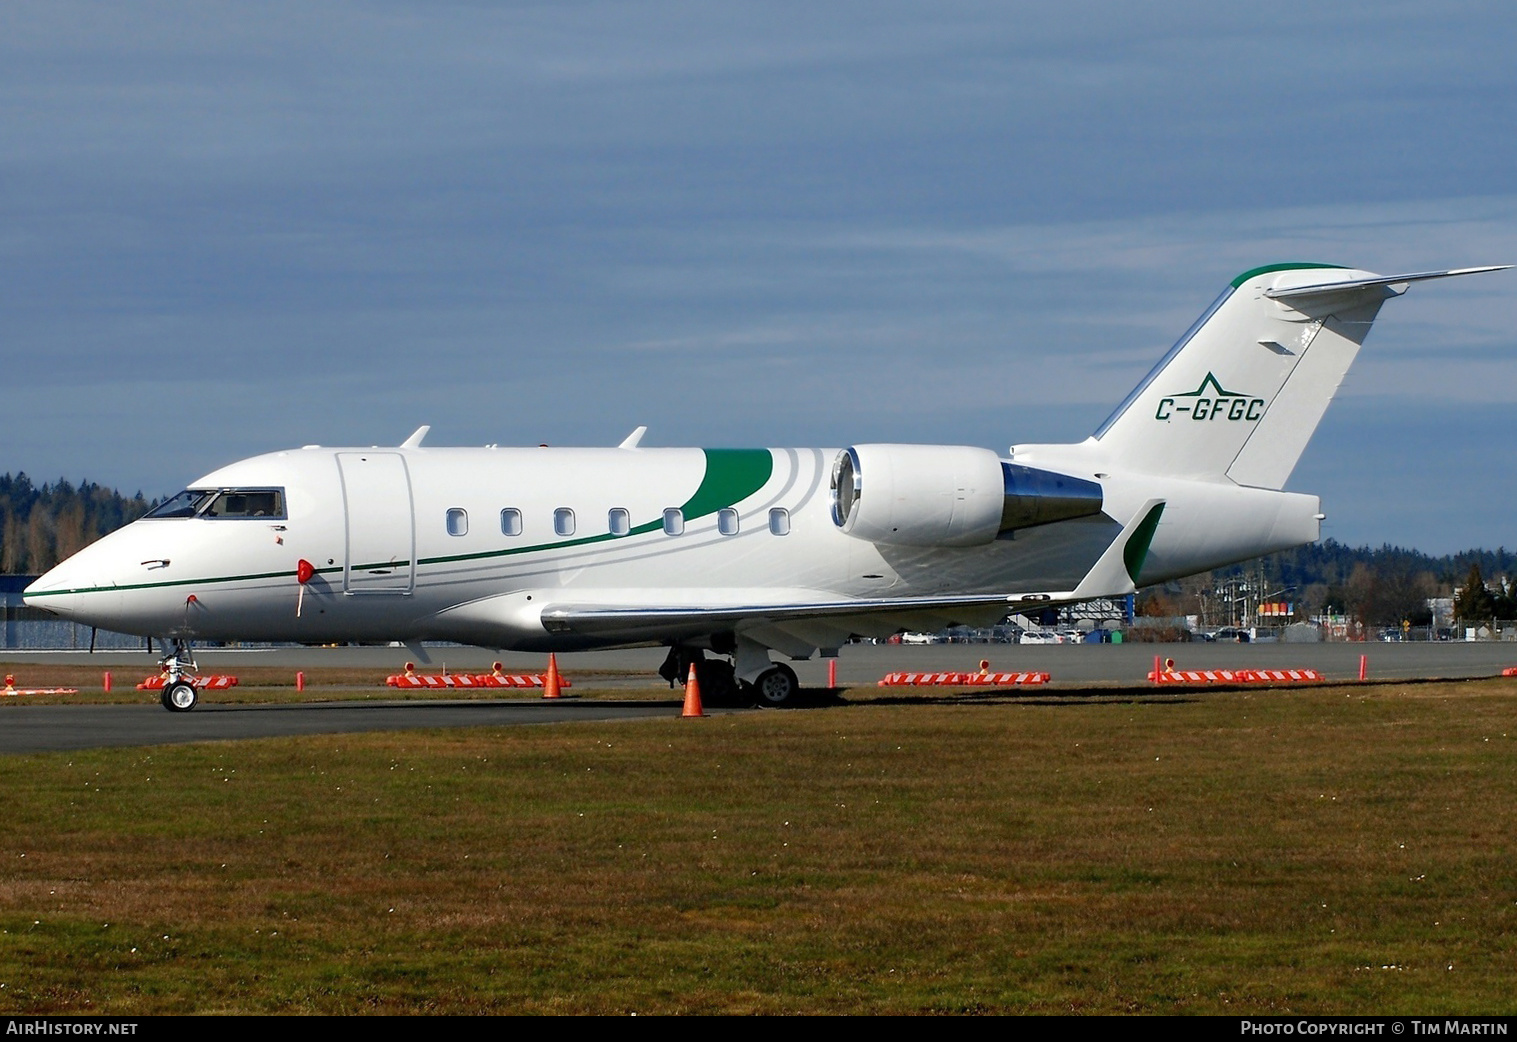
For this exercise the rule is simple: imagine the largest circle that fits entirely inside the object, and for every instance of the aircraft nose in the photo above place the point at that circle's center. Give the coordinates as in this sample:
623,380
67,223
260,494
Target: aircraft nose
54,580
60,589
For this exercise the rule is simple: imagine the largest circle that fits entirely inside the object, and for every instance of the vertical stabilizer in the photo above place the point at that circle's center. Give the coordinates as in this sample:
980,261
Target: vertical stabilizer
1241,393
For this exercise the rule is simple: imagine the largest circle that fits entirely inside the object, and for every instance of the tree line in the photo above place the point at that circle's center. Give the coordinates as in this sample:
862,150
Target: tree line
41,526
1378,586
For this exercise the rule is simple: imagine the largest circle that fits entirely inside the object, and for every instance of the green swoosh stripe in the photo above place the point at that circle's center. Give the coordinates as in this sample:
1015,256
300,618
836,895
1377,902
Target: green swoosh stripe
732,475
1135,553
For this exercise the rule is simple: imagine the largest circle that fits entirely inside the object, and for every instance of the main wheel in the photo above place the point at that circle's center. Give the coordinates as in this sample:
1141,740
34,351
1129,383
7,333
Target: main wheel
180,696
776,686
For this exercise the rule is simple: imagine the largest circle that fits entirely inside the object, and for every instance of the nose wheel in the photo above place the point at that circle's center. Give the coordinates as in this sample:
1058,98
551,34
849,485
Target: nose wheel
180,696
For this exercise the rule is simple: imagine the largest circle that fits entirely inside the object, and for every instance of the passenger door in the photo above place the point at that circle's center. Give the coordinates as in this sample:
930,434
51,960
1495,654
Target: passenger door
380,519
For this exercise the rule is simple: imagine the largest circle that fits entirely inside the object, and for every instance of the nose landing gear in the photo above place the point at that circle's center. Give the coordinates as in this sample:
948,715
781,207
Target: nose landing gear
179,694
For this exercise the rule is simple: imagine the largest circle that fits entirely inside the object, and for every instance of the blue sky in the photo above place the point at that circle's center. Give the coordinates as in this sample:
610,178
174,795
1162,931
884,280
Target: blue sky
230,228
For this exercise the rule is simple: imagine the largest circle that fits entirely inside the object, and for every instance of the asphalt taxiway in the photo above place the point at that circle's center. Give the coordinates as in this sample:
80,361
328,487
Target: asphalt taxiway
28,728
57,728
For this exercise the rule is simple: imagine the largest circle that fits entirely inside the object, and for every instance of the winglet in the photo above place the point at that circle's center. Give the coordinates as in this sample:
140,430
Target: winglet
1116,573
631,440
414,441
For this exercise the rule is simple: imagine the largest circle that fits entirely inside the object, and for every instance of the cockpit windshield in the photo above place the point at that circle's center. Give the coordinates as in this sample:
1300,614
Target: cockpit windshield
187,504
224,503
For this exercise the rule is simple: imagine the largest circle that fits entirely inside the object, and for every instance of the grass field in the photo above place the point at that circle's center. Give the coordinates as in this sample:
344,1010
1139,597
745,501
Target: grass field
1326,850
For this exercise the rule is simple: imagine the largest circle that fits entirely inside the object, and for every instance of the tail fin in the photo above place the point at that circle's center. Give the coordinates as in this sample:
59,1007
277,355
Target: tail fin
1242,391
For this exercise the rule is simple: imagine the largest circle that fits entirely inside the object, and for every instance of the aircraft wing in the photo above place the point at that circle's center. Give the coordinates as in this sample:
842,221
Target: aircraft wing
796,621
847,614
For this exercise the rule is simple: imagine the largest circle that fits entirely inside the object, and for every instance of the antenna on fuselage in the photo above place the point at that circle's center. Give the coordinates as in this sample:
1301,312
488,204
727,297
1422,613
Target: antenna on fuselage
414,441
631,440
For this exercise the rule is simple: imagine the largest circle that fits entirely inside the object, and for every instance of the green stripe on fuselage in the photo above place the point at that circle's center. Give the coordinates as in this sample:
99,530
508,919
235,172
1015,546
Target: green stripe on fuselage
731,476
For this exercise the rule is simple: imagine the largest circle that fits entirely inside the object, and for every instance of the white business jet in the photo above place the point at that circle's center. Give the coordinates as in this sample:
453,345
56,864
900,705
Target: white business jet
744,552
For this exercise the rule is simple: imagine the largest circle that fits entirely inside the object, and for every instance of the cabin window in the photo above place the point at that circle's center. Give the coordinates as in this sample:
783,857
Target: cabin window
726,521
458,521
779,521
563,521
619,521
674,521
510,521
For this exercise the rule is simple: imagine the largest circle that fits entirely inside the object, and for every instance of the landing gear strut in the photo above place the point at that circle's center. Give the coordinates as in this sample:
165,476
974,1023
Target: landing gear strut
718,686
179,694
751,678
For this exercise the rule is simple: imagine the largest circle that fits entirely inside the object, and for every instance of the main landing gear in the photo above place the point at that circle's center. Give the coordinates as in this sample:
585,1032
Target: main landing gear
179,694
718,686
772,684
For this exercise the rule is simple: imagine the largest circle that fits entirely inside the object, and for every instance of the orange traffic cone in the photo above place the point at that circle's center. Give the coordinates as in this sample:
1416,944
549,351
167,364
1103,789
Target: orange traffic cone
550,685
692,695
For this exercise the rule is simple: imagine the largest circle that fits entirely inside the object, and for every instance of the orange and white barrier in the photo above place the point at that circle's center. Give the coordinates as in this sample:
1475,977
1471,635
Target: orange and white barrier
1510,671
410,679
1236,676
214,682
961,679
11,689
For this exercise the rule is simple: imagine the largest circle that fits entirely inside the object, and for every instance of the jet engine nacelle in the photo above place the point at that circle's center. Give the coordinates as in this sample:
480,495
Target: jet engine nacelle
918,495
949,495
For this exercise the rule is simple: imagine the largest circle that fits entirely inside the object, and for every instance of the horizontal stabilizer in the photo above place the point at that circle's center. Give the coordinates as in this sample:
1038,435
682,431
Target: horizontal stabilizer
1390,281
